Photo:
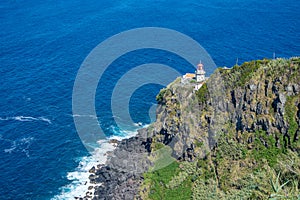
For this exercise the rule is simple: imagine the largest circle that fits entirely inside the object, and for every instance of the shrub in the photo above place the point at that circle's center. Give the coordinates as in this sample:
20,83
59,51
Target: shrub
159,182
161,94
290,117
202,93
261,152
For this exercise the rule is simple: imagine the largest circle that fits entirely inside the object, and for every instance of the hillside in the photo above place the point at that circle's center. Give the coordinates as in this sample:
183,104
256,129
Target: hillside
235,138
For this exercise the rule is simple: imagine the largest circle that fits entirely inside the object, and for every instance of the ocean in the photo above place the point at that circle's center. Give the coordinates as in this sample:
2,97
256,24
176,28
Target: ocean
43,44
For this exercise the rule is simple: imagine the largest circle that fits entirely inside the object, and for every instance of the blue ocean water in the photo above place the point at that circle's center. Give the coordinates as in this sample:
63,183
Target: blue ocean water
43,44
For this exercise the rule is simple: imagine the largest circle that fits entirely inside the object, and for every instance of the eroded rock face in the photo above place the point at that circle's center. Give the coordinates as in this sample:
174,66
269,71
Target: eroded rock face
255,106
190,124
122,174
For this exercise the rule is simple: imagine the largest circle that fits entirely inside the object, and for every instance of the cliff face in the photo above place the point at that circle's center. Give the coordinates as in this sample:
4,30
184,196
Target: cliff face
267,101
237,137
242,119
257,96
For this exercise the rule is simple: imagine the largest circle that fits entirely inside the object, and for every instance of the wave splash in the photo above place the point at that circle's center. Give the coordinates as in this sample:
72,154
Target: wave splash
19,145
80,183
26,119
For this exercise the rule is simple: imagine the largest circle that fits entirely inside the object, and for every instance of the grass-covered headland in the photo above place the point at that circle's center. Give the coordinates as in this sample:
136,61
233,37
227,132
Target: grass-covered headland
256,154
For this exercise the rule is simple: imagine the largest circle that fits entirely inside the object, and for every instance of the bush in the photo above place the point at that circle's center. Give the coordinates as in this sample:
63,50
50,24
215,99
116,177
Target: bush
261,152
290,117
202,93
159,182
161,94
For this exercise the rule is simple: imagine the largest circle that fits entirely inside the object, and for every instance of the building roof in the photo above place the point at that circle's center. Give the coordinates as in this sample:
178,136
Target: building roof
189,75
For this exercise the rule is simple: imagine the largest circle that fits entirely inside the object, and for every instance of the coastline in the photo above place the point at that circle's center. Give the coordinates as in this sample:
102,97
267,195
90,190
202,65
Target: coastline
82,185
121,175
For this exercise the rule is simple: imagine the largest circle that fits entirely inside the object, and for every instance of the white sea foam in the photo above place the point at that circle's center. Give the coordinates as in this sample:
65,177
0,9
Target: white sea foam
19,145
11,149
45,120
26,119
80,177
91,116
140,124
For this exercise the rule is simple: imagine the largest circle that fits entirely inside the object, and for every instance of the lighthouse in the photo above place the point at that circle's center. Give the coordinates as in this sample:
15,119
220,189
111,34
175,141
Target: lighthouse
200,76
200,73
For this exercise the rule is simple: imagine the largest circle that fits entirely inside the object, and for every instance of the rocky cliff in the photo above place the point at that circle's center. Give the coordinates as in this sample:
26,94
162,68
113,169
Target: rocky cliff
256,96
236,137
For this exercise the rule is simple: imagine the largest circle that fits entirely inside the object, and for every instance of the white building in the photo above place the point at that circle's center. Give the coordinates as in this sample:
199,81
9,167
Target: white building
200,76
200,73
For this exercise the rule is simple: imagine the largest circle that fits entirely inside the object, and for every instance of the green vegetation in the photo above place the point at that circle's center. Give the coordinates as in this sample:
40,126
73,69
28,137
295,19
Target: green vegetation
240,75
265,148
158,181
257,152
290,117
202,93
198,144
220,177
234,171
193,81
277,187
161,155
156,146
245,72
161,94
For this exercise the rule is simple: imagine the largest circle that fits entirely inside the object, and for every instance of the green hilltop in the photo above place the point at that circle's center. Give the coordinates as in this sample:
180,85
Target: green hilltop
237,137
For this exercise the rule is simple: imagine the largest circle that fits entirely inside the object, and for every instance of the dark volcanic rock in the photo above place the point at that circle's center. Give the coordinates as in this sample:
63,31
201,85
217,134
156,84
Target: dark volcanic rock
92,170
237,106
121,176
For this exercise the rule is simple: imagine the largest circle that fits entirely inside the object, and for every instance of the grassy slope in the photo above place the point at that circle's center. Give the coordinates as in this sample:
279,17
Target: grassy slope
235,169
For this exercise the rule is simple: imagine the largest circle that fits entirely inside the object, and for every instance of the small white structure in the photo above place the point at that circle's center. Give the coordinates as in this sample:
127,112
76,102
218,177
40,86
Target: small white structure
200,73
226,68
198,76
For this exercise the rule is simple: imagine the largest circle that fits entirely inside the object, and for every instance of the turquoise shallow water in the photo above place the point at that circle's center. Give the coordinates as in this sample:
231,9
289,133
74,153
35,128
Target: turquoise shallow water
43,44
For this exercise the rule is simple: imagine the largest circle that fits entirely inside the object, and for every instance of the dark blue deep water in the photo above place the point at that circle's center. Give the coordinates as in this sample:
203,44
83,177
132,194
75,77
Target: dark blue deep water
43,44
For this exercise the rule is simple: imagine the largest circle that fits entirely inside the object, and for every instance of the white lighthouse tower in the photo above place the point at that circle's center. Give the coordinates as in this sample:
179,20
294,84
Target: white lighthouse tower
200,76
200,73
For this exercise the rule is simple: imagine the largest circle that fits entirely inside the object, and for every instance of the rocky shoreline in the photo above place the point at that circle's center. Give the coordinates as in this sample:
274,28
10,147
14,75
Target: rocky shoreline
255,106
121,176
